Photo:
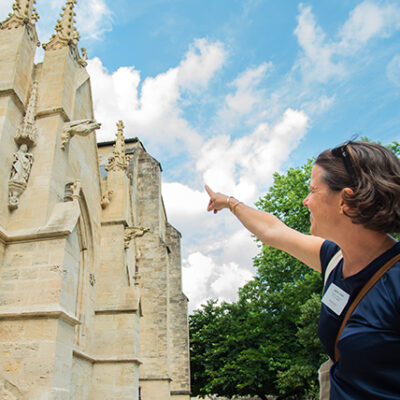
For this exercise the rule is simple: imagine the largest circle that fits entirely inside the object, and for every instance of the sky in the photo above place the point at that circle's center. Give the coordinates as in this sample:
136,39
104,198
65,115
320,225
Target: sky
227,92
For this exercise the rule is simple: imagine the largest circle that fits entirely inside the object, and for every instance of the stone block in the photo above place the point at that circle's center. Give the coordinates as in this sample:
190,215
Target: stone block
81,377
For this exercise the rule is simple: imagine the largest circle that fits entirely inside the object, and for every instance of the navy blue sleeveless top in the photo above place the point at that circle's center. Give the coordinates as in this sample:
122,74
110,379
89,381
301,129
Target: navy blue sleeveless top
369,347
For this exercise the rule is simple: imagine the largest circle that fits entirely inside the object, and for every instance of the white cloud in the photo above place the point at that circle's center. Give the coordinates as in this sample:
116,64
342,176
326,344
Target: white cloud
319,104
220,235
217,250
238,247
197,275
93,19
323,58
186,207
154,111
366,21
245,104
393,70
240,167
247,89
204,279
201,62
229,276
316,62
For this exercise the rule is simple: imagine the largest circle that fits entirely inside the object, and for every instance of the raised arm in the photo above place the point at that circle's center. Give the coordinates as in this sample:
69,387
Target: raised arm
270,230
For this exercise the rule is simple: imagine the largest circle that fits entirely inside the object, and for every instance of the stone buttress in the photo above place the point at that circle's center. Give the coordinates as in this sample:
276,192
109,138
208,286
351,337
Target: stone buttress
154,246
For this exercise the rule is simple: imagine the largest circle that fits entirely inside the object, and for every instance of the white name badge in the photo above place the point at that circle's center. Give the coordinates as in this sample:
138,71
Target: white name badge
335,298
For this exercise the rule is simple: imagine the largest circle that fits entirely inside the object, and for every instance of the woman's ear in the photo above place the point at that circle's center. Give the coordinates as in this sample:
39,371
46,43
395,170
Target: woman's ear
346,192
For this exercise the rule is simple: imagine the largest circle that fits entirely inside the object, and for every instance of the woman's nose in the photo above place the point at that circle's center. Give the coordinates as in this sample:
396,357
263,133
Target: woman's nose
305,201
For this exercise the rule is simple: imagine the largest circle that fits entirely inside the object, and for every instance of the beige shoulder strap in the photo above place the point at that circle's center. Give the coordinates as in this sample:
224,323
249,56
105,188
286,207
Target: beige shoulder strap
375,278
332,264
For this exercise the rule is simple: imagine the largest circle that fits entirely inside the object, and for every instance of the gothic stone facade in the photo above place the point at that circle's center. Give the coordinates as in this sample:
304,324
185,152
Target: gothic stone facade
91,305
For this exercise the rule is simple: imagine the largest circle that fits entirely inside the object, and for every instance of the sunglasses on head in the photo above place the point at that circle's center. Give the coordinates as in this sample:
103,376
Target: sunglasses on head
343,153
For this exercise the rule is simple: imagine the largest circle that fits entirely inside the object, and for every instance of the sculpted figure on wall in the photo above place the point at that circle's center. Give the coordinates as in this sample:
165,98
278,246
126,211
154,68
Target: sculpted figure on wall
106,199
81,127
22,164
25,137
20,170
133,232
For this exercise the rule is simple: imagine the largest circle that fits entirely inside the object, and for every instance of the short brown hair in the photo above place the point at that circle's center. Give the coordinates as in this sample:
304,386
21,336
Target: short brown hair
374,176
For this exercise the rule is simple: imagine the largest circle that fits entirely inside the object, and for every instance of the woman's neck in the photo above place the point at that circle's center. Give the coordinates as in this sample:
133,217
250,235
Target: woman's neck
361,248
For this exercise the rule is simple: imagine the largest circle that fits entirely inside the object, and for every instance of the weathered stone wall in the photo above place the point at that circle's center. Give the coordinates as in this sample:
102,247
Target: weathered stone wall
32,274
2,249
38,290
154,279
17,51
10,118
121,377
80,384
178,320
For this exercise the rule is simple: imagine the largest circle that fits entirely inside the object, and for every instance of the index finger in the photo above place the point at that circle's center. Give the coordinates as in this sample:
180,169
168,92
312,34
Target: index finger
208,190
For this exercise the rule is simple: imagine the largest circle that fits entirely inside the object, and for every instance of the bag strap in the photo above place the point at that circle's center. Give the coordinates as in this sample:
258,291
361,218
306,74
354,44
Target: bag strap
332,264
375,278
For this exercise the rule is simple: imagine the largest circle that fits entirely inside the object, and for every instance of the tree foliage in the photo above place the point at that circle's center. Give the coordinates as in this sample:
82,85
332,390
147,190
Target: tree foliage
266,343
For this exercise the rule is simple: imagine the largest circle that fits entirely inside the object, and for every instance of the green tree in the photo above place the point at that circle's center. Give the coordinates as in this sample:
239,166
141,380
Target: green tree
228,351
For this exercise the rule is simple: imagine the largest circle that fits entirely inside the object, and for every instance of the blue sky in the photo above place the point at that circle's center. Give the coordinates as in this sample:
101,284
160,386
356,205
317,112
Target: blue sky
227,92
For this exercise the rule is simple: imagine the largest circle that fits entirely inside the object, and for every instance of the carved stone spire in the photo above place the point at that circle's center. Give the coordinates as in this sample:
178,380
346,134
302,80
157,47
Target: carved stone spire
119,160
66,32
22,162
24,13
27,133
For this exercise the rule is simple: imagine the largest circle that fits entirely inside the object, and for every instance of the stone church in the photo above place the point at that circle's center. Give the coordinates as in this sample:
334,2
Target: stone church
91,304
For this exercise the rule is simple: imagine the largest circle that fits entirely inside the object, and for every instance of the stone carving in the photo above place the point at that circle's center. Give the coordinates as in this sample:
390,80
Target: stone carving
15,189
27,132
25,137
119,160
92,279
84,54
20,170
72,190
133,232
22,163
68,191
66,33
76,189
24,14
83,59
105,201
81,127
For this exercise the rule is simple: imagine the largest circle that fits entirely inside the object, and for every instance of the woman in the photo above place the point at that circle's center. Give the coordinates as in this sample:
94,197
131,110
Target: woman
354,205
